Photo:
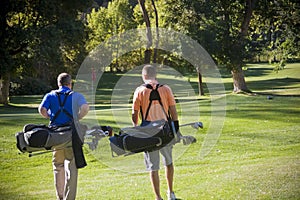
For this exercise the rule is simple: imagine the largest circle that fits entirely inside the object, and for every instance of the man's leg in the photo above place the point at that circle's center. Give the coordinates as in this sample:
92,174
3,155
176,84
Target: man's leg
169,170
59,173
154,177
71,175
152,165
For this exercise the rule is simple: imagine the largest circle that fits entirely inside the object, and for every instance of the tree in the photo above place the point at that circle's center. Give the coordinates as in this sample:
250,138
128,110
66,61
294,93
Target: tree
9,47
105,23
229,22
243,29
229,30
37,37
275,31
239,83
181,17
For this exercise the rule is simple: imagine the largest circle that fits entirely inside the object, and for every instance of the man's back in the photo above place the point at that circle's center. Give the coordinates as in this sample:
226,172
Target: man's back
61,111
141,101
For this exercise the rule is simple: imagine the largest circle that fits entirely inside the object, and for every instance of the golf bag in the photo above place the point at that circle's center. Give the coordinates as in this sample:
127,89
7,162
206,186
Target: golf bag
41,137
149,136
153,136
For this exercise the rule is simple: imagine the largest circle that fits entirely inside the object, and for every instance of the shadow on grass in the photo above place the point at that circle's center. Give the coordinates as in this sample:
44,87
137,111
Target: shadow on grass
276,83
13,109
260,85
258,71
26,99
272,95
250,72
263,109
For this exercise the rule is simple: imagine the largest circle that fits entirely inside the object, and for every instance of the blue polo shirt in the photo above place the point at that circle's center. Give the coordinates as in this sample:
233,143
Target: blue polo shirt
74,101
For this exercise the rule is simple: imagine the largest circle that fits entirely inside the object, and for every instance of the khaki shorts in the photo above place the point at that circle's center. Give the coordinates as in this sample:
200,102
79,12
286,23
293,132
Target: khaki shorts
152,159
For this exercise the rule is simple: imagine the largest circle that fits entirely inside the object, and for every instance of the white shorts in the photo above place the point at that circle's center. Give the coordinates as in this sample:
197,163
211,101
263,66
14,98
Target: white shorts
152,159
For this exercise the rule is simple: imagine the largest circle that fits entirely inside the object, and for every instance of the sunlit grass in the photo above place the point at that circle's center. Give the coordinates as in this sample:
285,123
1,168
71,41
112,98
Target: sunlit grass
255,157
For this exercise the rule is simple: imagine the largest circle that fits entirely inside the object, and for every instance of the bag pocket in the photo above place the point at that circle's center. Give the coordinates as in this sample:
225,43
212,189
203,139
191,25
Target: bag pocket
37,137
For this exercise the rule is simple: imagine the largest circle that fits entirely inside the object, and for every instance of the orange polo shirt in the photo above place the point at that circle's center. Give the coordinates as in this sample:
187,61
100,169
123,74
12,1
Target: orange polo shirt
141,100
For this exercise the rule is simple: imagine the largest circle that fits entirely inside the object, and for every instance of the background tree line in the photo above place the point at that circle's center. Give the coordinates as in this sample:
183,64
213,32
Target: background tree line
39,39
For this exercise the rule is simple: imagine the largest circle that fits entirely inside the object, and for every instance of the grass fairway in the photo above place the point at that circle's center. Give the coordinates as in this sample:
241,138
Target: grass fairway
257,156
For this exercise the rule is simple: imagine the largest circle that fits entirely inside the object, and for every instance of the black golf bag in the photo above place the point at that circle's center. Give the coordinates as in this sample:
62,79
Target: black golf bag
38,137
153,136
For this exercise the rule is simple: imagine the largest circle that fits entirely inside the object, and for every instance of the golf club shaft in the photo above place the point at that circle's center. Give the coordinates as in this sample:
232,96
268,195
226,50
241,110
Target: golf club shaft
188,124
47,151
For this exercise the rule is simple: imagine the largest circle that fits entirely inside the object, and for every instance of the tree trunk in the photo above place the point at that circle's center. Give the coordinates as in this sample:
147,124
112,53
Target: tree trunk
200,83
4,89
147,58
239,83
157,32
148,31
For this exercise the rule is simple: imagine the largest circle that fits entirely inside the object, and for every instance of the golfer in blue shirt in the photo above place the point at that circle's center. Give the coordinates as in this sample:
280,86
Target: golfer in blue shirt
61,106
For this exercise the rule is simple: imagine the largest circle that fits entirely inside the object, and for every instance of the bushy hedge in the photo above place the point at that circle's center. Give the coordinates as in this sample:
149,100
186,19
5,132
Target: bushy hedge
28,86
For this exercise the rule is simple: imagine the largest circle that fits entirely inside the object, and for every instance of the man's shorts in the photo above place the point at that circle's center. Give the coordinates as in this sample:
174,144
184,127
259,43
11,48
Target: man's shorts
152,158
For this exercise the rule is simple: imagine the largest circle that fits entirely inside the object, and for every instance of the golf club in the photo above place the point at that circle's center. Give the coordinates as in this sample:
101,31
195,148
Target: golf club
194,125
46,151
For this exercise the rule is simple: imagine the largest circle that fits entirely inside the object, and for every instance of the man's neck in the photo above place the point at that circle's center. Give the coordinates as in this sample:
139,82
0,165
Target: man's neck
64,87
150,81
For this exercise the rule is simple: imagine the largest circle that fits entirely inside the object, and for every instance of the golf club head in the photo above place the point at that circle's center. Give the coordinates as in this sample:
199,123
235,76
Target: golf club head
188,139
197,125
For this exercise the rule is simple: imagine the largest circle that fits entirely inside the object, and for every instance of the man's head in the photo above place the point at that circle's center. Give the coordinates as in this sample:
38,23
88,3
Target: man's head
64,79
149,72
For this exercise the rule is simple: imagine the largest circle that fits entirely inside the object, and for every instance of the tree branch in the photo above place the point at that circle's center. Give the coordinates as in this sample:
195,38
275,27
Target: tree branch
250,4
148,31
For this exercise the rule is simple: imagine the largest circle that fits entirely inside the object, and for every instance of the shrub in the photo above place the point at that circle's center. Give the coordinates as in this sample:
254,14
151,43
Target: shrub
28,86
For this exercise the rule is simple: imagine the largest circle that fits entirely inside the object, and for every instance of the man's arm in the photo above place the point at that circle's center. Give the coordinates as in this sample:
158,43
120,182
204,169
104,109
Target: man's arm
173,113
83,111
43,112
174,117
135,117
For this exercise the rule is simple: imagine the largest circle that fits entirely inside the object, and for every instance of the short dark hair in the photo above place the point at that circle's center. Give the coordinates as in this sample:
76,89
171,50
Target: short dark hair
64,79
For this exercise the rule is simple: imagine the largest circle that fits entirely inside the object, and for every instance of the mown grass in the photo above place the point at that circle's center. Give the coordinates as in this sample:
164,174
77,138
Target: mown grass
255,157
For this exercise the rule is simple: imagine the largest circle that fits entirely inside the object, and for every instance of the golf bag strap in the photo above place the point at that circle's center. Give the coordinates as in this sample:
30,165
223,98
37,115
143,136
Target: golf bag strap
62,104
151,99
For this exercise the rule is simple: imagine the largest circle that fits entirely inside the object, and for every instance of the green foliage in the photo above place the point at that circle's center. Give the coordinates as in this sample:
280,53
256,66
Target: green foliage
41,39
216,25
105,23
28,86
274,31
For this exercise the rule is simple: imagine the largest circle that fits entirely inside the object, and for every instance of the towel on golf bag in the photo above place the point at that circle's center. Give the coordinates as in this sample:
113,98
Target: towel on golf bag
78,132
153,136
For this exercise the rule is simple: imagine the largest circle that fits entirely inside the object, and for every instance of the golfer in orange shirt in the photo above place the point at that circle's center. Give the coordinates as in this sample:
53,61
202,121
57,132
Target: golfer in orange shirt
156,112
